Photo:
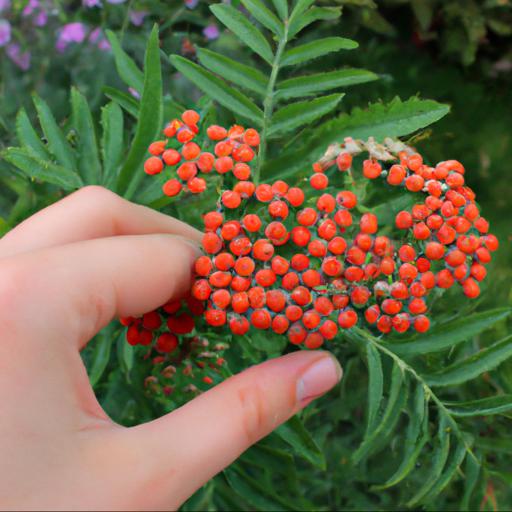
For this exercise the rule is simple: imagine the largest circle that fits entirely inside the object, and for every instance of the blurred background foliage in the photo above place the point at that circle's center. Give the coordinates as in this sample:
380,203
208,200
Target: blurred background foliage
457,52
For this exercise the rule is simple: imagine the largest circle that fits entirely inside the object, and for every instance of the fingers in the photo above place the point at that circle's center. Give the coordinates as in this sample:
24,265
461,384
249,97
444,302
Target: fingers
219,425
76,289
92,212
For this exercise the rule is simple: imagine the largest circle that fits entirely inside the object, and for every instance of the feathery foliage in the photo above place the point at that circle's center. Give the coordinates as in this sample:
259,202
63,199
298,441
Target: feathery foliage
418,421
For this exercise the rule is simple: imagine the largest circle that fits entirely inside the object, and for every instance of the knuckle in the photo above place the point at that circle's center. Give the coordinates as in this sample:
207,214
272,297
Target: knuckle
255,410
100,308
95,194
15,285
13,279
102,205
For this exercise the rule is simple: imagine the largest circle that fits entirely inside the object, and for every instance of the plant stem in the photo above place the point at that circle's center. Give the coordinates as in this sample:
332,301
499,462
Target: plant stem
126,21
428,390
268,102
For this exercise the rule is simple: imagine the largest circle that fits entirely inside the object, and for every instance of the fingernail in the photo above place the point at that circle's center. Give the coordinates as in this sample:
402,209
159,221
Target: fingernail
318,378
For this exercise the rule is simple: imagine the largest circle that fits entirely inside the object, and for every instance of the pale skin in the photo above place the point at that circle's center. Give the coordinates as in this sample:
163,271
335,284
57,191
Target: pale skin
65,273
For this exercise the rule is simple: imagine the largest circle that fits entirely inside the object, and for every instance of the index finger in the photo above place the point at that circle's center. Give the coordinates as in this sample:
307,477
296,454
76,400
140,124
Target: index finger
92,212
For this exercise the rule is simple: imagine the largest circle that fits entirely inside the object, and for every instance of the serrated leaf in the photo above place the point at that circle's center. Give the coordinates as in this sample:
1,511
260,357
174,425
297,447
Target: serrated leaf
42,170
297,436
28,137
482,407
416,437
303,112
218,90
439,459
312,84
112,147
394,119
89,164
57,143
299,8
472,470
124,100
128,70
101,354
150,119
396,391
473,366
243,76
243,29
316,49
375,386
266,17
451,333
456,460
312,15
281,8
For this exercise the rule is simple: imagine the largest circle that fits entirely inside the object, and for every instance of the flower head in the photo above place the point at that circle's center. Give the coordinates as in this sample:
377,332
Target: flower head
40,19
137,17
310,262
30,8
21,59
211,32
97,37
70,33
5,32
4,5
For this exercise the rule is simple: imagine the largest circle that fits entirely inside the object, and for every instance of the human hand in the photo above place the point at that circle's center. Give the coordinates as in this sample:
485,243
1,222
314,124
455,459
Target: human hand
65,273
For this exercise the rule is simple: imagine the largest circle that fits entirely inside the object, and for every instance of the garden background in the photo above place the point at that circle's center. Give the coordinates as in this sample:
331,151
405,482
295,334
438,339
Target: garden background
456,52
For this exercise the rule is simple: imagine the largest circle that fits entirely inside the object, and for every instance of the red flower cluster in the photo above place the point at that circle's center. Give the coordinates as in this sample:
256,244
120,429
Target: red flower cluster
168,334
232,151
309,262
164,325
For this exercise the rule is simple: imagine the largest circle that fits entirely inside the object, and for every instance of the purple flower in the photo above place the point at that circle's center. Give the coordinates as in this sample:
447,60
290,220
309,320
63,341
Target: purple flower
211,32
91,3
30,7
22,60
40,19
95,35
70,33
134,93
104,45
191,4
137,17
4,5
116,1
5,32
98,38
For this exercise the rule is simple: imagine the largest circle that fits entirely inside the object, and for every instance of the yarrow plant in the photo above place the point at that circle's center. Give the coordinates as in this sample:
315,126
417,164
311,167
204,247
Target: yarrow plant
321,228
311,262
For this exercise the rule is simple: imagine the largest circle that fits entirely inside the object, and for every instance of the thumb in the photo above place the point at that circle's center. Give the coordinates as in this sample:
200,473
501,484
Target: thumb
207,434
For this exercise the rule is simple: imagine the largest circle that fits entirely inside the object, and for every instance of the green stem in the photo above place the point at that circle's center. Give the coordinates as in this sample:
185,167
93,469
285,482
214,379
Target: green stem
126,21
268,102
172,19
428,390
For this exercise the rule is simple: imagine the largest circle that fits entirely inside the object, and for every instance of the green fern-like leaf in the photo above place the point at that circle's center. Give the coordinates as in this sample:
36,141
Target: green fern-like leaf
379,120
271,34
